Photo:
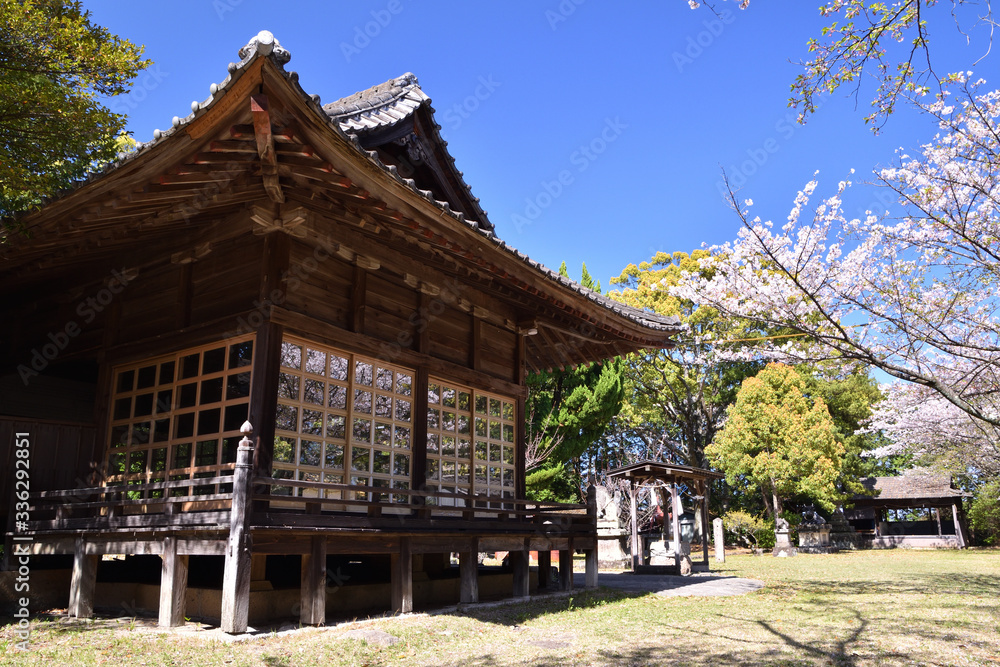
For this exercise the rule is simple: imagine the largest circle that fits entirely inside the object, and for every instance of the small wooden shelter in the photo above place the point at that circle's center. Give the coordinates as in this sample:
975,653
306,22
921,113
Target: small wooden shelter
916,489
322,278
669,477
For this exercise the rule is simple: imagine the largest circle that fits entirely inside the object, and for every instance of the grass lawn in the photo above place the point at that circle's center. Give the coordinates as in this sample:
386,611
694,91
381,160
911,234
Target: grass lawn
868,608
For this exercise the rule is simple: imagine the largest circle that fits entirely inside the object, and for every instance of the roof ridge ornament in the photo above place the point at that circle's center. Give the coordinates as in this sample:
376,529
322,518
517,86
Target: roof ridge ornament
265,44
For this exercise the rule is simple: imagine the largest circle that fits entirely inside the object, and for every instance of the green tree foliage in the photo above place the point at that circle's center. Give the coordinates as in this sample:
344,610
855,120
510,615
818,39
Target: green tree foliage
55,66
984,513
849,396
781,442
568,411
676,398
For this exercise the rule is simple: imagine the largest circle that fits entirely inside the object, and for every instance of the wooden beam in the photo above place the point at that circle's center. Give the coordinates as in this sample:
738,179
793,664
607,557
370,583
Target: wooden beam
359,290
475,344
402,578
313,594
566,568
521,432
519,560
236,574
185,291
418,462
263,398
544,568
173,584
591,553
636,548
675,524
83,581
958,526
468,564
265,147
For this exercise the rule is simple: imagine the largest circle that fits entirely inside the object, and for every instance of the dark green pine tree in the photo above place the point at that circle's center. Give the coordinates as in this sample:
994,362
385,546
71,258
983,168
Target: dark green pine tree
568,411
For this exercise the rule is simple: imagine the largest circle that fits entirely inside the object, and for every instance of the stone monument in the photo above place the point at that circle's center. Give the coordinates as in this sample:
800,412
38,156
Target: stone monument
814,534
611,537
782,539
842,534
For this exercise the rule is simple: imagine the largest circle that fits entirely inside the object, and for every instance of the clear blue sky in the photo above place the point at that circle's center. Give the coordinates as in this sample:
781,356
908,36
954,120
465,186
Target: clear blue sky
663,96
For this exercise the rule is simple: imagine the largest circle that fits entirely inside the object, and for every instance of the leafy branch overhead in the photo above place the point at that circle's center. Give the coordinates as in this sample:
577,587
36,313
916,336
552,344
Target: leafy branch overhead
889,41
55,67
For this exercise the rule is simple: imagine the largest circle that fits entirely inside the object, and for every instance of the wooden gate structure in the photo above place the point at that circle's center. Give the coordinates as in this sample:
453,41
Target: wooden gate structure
657,475
322,278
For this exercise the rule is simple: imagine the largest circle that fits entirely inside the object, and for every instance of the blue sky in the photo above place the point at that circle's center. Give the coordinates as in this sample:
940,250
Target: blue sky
634,106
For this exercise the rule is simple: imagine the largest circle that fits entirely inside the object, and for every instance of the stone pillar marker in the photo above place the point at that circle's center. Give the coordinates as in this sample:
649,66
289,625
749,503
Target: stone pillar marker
717,536
782,539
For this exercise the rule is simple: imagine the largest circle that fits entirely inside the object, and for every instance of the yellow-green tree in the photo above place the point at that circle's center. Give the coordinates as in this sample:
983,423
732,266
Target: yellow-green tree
55,67
676,399
780,441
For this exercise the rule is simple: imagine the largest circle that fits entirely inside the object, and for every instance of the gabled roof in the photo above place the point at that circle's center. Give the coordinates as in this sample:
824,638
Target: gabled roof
372,114
648,470
912,485
203,174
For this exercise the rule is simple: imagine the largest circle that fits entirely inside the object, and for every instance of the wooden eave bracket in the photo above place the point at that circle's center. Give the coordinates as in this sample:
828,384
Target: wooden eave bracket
289,220
265,147
191,255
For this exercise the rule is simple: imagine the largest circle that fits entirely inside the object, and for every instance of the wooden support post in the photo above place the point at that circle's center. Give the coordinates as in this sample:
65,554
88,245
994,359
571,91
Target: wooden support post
937,518
675,523
958,526
566,568
418,461
704,521
264,387
173,585
521,429
236,575
636,547
468,565
313,594
544,569
402,578
359,292
83,582
522,583
591,554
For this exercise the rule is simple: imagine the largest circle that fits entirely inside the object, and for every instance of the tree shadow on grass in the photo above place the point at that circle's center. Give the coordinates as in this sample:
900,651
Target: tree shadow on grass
514,612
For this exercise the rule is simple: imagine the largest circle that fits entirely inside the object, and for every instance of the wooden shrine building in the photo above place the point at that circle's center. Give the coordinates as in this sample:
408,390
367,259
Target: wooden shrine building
322,278
916,490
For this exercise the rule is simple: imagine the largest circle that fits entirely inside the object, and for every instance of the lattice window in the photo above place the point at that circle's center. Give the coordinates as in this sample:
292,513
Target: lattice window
470,443
342,418
179,416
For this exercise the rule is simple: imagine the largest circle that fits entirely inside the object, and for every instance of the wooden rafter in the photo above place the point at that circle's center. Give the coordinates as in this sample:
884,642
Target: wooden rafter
265,147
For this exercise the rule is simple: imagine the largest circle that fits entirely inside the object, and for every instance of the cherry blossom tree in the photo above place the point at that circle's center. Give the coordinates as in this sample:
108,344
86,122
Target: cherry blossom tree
917,421
915,295
889,41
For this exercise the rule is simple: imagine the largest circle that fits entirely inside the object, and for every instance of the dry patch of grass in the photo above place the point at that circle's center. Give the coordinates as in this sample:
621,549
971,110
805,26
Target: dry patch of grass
866,608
